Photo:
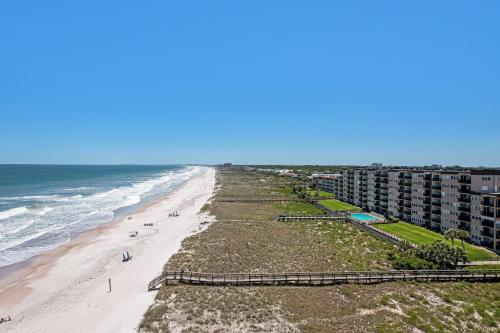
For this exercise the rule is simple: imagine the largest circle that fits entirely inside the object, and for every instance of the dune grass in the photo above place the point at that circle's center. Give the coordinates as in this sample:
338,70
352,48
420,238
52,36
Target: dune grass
298,208
419,235
339,205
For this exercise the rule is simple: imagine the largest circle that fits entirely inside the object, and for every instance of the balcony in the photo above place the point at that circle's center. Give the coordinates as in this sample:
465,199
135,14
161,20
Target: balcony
488,213
489,202
427,208
464,198
464,217
436,195
436,211
464,226
487,233
464,180
436,220
464,189
464,209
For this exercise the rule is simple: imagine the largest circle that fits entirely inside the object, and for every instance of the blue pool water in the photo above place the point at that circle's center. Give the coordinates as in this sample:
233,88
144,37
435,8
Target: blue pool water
363,217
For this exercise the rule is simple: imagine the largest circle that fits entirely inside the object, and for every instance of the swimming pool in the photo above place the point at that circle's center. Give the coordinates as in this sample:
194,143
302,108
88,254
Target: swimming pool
363,217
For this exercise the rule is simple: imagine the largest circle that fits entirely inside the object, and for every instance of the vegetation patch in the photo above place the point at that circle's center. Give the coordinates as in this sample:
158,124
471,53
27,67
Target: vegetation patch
418,235
318,193
298,208
339,205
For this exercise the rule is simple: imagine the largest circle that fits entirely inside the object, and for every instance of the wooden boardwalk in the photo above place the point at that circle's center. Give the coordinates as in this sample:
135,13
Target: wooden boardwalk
285,218
321,279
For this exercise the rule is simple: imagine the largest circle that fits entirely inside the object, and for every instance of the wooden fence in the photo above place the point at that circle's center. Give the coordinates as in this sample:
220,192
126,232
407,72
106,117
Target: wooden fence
321,279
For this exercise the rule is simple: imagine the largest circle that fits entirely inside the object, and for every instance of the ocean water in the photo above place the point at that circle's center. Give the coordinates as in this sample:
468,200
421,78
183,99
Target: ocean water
43,206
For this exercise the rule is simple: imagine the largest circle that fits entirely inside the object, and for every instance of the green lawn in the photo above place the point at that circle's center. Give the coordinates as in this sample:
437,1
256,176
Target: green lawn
322,194
419,235
339,205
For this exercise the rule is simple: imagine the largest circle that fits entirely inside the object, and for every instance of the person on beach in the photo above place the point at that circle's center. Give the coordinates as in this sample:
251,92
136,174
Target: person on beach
4,320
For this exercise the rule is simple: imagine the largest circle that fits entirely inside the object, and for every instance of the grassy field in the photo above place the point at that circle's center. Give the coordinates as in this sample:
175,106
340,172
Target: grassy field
339,205
322,194
419,235
245,238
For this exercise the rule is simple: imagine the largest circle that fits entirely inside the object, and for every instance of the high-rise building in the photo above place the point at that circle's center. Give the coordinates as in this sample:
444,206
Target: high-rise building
438,199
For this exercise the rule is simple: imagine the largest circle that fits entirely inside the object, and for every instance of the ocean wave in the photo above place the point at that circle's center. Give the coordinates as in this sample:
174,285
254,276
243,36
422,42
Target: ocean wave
30,197
75,189
12,212
22,227
44,211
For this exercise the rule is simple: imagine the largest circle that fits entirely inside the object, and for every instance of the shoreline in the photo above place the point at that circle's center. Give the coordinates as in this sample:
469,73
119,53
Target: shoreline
93,257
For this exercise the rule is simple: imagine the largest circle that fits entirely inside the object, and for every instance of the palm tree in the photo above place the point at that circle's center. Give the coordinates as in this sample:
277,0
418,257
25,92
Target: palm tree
462,235
451,234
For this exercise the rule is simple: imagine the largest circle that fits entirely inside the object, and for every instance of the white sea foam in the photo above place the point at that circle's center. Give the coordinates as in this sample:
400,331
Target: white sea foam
12,212
44,211
21,227
30,197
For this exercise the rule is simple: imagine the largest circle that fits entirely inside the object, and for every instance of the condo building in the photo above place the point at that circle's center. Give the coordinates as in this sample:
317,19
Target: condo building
326,182
437,199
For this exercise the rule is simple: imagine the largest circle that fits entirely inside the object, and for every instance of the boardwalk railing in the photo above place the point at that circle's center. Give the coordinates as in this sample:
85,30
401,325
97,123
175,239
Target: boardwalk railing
320,279
284,218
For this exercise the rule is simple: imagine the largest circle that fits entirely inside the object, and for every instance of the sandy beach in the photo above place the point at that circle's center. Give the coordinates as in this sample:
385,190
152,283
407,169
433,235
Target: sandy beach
67,289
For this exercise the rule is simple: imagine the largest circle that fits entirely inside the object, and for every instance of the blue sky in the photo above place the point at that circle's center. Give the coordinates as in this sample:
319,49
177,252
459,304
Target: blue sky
327,82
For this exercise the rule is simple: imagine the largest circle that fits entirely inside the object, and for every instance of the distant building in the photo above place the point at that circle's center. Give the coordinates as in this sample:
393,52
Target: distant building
227,165
326,181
